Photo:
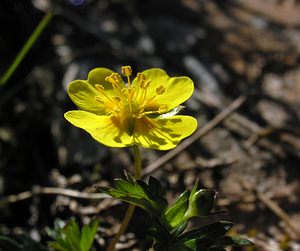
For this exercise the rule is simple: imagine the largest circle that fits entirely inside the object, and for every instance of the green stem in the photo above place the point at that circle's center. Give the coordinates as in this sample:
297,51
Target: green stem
137,162
130,210
26,47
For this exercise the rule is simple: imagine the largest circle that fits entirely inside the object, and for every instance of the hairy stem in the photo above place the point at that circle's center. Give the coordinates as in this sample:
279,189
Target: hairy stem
130,210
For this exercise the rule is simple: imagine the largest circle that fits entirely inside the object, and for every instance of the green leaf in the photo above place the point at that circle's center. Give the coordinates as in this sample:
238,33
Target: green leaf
214,230
179,229
72,238
197,203
205,238
179,247
88,234
20,243
9,244
139,193
216,249
199,243
160,234
175,213
169,223
72,233
232,241
155,187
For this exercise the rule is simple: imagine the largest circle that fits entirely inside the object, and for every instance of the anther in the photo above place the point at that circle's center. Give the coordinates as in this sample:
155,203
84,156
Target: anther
144,83
162,109
160,90
141,77
113,78
100,88
109,79
116,77
99,99
126,70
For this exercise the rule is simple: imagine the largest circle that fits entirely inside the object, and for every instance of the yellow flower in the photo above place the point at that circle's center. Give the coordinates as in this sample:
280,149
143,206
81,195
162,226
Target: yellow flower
136,113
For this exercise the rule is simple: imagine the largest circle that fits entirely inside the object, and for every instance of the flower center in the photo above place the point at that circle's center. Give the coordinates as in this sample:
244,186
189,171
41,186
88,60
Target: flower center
130,102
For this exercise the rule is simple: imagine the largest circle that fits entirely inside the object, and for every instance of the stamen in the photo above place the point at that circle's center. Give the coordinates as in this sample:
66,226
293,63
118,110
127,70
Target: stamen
115,80
110,78
126,71
162,109
135,92
144,83
98,98
140,77
100,88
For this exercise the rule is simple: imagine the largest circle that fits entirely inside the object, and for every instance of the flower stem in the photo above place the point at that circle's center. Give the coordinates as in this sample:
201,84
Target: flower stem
130,210
137,162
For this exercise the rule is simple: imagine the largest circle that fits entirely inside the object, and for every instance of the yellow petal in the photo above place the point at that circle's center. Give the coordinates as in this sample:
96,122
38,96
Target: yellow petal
108,130
163,134
177,89
98,75
83,92
84,96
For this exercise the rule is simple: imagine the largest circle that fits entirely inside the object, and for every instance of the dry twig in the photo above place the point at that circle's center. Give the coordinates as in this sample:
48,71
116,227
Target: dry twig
199,133
52,190
279,212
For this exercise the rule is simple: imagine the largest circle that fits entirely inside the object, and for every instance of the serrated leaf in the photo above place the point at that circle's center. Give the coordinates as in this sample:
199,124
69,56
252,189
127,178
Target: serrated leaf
72,233
138,193
72,238
126,186
88,234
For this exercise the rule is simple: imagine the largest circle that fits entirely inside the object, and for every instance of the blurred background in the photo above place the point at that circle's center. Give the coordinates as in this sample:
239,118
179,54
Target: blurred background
241,51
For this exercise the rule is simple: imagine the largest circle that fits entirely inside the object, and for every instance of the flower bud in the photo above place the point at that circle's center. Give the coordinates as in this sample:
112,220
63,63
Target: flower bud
200,203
